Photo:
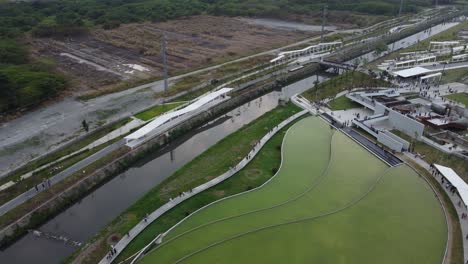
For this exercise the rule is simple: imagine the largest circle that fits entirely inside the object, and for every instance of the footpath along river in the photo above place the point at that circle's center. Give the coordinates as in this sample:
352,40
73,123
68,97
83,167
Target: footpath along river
85,218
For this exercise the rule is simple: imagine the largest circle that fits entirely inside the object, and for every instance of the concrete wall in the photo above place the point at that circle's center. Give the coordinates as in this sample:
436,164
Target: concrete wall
437,146
405,124
389,142
379,109
405,143
366,128
461,111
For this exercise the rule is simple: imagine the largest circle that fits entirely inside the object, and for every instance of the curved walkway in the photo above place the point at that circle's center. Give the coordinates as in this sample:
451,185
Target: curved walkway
305,192
135,231
350,194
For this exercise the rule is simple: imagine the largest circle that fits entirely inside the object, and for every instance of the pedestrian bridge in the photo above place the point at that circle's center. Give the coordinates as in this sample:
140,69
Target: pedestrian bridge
326,47
333,64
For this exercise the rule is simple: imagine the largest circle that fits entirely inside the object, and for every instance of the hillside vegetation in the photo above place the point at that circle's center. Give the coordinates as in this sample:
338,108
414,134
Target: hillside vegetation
25,82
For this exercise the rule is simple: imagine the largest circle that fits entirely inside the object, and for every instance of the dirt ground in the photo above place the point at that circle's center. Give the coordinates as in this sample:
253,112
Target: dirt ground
133,51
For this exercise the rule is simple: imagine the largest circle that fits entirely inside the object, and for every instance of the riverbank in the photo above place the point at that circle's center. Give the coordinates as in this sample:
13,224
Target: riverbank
211,163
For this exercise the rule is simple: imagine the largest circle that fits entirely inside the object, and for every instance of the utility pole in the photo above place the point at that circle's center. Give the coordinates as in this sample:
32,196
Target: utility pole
324,10
164,61
401,8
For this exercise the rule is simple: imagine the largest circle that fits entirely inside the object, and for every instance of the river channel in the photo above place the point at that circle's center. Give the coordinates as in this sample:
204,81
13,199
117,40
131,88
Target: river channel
85,218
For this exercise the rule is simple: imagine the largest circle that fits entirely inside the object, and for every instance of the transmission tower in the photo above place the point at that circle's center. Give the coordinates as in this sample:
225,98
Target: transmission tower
164,61
401,8
324,11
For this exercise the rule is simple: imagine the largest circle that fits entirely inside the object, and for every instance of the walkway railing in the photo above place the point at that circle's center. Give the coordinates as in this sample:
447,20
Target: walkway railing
136,230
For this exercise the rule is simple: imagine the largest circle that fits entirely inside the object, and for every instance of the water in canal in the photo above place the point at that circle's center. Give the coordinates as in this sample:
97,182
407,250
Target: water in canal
85,218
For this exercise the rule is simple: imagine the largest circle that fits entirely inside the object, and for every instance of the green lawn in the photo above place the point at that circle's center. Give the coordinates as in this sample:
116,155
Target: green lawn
433,155
320,208
342,82
343,103
461,98
213,162
157,110
456,75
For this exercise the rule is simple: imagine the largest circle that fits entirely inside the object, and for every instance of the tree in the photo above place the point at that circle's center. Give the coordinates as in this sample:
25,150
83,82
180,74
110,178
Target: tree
85,125
12,52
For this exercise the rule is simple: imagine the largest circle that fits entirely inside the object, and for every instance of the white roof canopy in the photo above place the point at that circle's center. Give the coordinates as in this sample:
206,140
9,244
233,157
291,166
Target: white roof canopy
412,72
431,75
158,121
455,180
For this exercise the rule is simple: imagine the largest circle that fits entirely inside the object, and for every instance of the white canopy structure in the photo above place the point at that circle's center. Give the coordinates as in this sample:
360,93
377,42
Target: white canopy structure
455,180
310,50
416,71
148,131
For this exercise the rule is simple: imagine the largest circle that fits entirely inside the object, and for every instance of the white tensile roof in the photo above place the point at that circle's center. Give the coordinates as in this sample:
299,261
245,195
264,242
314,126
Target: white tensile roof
431,75
455,180
170,115
412,72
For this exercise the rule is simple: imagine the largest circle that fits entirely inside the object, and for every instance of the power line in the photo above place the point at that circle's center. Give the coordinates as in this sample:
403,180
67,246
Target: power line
324,10
401,8
164,61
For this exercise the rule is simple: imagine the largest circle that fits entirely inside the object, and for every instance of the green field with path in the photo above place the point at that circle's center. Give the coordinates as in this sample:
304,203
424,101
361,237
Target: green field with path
330,202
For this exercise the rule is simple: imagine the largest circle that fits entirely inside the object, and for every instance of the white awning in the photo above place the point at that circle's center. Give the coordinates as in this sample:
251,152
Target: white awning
445,42
412,72
455,180
174,114
431,75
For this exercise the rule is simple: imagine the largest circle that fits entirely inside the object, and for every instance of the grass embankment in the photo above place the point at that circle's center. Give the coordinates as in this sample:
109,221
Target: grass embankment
212,163
55,190
157,110
432,155
343,103
211,78
348,80
73,147
398,235
455,247
456,75
184,83
40,176
460,97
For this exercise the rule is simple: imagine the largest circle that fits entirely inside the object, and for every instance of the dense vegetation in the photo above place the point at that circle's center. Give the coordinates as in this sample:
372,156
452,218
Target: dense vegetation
23,85
58,15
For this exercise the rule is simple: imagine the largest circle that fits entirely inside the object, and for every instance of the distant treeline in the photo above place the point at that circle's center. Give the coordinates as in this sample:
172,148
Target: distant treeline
62,17
24,82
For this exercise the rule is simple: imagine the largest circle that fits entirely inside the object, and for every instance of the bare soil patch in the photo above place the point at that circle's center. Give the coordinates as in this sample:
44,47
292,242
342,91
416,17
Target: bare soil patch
133,51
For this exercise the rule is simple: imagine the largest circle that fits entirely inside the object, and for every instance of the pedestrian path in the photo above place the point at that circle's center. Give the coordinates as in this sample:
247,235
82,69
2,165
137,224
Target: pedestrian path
136,230
455,200
33,191
112,135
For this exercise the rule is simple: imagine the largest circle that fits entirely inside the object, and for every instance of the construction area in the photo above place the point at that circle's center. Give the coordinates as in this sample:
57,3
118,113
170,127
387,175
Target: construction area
133,51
